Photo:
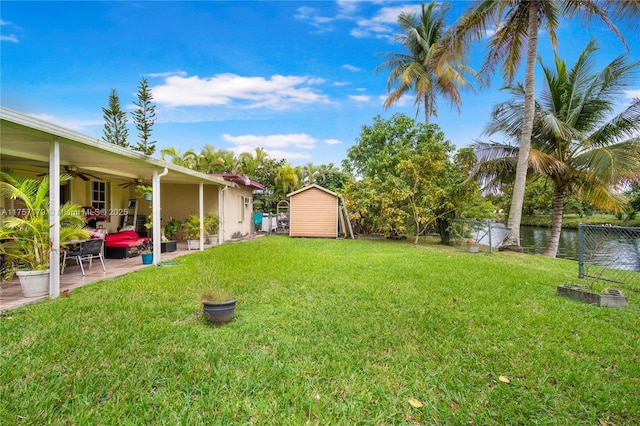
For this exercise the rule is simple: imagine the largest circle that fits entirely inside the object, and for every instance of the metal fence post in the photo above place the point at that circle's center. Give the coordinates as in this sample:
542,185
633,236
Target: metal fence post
580,251
490,242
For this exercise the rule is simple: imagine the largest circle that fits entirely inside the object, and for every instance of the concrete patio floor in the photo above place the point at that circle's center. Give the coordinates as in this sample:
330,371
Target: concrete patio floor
11,295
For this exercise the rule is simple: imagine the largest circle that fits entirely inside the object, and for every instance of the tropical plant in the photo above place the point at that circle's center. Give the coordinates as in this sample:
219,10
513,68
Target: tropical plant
191,227
171,228
28,232
186,159
576,144
211,223
517,24
419,69
143,189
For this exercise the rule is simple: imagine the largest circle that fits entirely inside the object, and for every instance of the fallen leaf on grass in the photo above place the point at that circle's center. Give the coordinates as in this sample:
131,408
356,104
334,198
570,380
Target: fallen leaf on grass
504,379
415,403
454,405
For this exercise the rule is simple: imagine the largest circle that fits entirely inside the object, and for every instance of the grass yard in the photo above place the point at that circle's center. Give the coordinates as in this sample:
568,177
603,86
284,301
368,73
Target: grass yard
326,332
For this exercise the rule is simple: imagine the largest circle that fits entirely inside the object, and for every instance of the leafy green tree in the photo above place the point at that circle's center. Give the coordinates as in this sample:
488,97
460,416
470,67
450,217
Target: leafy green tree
408,180
144,117
115,122
577,144
332,177
517,24
417,69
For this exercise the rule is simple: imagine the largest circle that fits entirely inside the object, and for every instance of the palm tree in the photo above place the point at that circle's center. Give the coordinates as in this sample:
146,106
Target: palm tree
185,160
418,69
517,22
288,179
250,163
574,145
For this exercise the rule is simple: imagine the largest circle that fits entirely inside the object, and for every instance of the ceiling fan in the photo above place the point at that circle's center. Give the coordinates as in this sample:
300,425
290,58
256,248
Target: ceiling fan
74,173
136,182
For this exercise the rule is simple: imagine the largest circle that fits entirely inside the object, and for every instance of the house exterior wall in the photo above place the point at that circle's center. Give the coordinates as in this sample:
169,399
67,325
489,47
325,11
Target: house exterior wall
238,215
313,213
180,201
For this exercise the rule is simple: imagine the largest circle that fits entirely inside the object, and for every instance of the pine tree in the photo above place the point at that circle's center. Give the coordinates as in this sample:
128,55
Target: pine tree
144,117
115,122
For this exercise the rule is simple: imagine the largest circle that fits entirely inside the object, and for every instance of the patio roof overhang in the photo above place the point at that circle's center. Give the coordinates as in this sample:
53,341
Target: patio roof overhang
31,145
25,145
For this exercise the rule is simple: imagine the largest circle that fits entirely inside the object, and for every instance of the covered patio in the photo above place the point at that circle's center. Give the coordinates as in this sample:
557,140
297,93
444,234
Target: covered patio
11,296
36,148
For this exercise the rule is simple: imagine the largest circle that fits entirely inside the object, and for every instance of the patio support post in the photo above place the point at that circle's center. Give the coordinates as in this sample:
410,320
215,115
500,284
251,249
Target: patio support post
201,213
155,214
54,218
221,214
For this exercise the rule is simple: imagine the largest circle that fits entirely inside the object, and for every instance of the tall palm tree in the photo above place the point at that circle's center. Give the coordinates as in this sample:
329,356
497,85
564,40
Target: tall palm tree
516,24
575,145
417,69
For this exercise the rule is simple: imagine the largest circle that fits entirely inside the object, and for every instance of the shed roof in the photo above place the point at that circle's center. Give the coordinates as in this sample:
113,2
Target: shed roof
306,188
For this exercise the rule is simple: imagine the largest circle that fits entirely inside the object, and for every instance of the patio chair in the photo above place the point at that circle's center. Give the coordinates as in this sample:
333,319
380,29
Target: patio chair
88,250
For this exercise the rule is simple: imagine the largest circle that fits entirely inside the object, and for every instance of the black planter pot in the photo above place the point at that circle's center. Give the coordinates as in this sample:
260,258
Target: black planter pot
219,312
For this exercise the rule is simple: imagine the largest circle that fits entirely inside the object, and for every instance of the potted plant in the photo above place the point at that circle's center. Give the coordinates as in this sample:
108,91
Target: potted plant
28,248
473,246
211,227
191,228
170,230
144,191
147,253
217,305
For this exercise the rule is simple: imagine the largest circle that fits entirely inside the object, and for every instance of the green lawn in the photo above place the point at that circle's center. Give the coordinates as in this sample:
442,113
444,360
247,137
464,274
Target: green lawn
326,332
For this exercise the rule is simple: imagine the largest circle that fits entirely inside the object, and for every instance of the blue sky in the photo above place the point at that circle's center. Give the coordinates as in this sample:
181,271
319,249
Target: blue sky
296,78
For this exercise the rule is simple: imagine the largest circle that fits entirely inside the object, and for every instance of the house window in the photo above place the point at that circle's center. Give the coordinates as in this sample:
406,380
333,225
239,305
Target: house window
100,195
241,209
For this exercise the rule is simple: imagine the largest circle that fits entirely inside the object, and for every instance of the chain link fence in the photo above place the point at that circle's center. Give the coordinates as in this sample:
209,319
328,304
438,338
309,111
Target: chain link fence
487,233
609,254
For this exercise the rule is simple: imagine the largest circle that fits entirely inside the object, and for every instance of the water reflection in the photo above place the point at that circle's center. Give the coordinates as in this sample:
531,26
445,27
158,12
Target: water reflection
609,249
534,241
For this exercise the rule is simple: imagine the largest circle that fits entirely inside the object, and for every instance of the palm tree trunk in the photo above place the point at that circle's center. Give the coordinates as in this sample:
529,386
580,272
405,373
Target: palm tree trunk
427,109
515,212
556,223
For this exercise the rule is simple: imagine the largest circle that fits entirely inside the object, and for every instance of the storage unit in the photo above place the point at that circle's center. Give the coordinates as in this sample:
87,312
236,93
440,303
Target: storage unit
313,212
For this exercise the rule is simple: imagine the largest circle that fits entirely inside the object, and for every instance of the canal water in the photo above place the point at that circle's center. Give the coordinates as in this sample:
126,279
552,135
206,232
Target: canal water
534,241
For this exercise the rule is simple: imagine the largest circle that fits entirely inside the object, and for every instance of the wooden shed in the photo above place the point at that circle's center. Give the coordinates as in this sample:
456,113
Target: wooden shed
313,212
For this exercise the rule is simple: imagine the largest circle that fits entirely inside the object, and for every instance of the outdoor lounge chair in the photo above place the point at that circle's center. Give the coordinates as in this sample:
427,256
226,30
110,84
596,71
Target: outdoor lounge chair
88,250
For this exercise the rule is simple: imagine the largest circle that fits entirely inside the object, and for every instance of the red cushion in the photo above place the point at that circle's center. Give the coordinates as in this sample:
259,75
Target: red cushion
124,239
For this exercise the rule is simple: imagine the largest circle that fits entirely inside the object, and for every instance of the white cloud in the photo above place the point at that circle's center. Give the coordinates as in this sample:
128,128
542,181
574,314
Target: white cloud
350,68
383,24
8,37
290,146
310,14
296,140
405,100
360,98
332,141
168,74
277,92
632,94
